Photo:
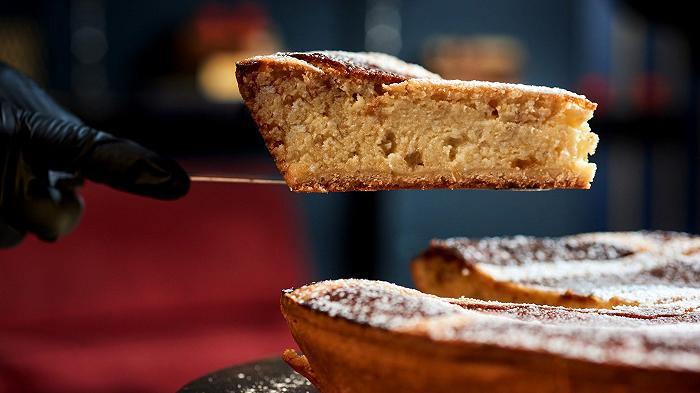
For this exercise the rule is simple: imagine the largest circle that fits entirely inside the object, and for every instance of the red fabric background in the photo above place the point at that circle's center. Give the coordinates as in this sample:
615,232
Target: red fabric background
145,295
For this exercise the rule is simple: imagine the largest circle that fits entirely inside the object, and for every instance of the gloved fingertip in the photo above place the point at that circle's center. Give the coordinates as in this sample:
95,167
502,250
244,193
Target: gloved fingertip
160,178
179,186
127,166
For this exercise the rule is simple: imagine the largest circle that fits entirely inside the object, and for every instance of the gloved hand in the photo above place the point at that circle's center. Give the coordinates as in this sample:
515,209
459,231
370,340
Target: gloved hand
44,154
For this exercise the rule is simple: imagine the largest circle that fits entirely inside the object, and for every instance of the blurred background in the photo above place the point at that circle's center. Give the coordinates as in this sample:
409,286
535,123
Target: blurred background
145,296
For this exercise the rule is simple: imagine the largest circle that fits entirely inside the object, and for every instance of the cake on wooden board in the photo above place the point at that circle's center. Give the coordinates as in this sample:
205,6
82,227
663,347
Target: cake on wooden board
341,121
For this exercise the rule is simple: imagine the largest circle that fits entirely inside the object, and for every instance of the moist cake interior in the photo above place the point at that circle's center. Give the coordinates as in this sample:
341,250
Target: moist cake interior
417,130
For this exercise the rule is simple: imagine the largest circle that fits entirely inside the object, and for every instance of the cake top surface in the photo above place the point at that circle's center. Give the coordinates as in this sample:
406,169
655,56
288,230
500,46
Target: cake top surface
390,70
646,268
635,336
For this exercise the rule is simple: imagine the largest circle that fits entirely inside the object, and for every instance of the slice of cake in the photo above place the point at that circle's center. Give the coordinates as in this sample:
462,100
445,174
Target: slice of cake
374,337
339,121
588,270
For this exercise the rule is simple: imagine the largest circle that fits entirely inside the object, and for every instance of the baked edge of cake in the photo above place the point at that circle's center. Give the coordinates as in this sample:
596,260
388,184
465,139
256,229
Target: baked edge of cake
355,341
444,272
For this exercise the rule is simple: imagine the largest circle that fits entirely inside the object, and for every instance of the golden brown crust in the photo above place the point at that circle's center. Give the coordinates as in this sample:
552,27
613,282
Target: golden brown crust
378,67
373,66
486,181
360,347
300,364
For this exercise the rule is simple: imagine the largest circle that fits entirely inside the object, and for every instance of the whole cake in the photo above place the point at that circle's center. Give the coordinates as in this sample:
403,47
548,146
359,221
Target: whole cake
586,270
340,121
374,337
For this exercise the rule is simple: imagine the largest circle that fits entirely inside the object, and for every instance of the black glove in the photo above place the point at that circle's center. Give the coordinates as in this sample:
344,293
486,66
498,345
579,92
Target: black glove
46,151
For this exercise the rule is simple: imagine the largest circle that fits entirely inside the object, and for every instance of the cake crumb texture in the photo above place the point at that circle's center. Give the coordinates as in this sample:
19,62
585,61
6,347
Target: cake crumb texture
340,121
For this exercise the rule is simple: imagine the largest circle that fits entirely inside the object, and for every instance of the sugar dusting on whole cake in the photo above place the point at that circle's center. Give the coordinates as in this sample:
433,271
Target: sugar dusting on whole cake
370,302
520,250
656,337
596,338
644,268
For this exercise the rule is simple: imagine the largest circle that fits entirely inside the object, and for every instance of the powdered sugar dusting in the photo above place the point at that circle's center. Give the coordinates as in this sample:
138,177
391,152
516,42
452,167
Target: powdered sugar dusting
386,64
292,383
269,376
520,250
597,338
474,84
380,61
644,268
658,337
372,303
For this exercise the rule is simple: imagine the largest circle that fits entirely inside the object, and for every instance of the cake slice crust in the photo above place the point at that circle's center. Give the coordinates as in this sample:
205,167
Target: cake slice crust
339,121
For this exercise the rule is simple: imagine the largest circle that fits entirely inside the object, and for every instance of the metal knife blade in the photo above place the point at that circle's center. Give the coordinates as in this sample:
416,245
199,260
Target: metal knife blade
234,179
